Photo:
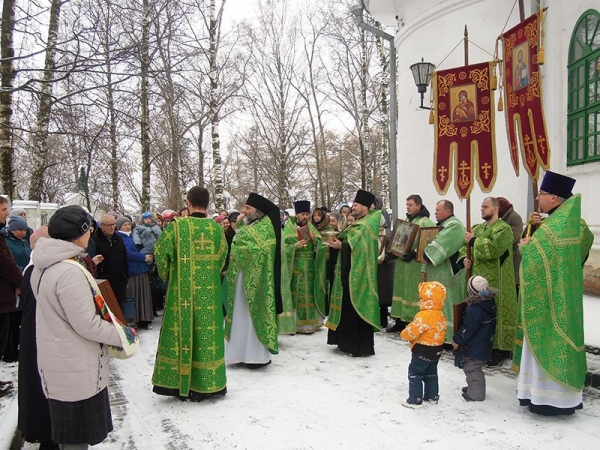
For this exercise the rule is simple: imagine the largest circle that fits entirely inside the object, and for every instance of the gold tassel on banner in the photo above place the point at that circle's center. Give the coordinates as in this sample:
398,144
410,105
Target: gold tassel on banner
494,83
500,104
541,56
431,118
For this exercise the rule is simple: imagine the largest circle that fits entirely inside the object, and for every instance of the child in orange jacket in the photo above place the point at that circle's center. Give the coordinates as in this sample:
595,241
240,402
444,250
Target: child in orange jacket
426,334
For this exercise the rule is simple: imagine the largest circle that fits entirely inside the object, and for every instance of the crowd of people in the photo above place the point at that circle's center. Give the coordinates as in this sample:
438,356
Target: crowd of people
229,284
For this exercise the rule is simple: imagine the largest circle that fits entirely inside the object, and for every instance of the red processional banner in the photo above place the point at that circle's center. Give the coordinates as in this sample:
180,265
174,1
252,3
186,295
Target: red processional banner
465,144
522,81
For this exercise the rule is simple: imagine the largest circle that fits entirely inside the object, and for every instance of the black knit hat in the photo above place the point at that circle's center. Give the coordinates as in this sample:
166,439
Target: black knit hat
68,223
364,198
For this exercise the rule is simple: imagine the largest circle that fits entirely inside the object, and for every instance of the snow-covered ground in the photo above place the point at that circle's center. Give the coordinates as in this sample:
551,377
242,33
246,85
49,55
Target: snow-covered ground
313,397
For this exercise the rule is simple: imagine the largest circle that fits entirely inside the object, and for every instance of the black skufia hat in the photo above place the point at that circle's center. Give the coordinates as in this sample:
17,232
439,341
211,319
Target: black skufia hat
557,184
302,206
69,223
364,198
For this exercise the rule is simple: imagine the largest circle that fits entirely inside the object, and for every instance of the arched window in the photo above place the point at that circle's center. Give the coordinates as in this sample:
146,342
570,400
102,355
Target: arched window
584,91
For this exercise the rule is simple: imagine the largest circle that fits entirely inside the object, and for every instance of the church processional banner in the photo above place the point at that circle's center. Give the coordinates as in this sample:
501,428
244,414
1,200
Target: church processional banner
464,129
522,81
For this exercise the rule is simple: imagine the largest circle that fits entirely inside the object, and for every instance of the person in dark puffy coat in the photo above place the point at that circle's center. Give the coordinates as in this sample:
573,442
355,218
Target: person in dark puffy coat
475,337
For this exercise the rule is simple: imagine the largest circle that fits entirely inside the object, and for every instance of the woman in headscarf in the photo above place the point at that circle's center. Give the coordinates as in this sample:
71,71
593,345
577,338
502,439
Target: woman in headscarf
138,285
320,219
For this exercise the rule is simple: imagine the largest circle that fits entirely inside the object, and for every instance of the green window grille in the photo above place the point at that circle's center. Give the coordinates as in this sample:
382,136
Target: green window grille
584,91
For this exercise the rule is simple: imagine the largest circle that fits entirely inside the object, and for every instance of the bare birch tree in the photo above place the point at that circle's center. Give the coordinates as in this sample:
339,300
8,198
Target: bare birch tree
7,71
45,105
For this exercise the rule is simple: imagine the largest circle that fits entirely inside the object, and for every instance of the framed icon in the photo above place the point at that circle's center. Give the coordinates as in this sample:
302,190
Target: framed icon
403,237
426,236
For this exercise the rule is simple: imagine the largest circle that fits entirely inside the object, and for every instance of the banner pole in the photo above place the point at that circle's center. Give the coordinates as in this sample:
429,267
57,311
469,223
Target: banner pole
466,51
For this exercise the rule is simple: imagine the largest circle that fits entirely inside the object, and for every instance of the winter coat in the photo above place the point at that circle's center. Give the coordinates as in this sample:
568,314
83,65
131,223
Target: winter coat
10,278
476,335
114,267
514,220
136,261
19,248
71,336
427,331
145,236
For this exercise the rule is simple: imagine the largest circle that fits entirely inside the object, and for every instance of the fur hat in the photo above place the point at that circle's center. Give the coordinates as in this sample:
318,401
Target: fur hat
17,223
477,284
68,223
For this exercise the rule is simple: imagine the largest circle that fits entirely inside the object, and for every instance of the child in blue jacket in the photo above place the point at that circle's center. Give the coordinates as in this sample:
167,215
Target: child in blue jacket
475,337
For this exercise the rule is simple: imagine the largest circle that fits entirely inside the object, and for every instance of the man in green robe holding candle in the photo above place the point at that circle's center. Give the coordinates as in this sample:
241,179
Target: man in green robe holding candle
190,254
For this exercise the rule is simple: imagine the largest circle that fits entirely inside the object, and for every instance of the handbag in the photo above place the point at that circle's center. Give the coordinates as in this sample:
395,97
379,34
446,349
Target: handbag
130,343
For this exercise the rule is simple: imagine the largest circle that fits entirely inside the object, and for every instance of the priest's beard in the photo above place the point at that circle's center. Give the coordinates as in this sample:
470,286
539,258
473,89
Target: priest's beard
252,217
301,223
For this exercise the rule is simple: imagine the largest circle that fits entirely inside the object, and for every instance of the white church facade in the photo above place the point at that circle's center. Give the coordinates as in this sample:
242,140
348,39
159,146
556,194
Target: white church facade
430,29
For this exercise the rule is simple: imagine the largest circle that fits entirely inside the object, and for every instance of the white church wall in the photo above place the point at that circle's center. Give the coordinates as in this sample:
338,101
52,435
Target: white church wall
431,29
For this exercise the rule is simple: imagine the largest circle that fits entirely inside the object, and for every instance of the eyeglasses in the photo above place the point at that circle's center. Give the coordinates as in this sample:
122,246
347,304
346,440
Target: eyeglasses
108,224
544,193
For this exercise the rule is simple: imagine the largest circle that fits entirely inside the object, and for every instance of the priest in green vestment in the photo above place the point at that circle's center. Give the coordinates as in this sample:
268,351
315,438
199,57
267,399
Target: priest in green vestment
306,258
190,254
407,277
442,260
253,285
491,245
354,309
550,352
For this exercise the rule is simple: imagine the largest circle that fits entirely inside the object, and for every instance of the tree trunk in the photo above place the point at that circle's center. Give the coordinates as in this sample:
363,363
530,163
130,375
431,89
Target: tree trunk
144,108
214,108
200,154
365,173
384,124
8,74
40,143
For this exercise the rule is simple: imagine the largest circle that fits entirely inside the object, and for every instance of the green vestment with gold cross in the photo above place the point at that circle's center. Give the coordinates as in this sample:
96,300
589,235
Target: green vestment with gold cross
551,295
363,238
492,256
253,254
190,254
405,301
306,266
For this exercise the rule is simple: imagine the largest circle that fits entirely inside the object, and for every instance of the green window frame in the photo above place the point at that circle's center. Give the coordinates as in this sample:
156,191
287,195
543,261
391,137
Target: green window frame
583,118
